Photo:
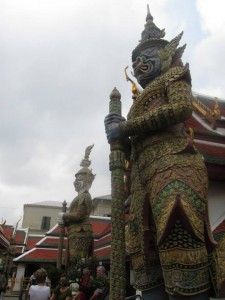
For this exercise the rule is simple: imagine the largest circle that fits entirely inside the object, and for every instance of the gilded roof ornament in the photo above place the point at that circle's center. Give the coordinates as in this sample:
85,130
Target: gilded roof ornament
216,110
211,115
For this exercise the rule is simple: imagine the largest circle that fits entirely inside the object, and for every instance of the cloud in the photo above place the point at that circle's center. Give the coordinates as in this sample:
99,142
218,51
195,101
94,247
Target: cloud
211,15
209,52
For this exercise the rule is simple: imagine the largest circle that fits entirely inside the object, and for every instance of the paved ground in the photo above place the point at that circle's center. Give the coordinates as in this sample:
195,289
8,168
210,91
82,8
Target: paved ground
11,297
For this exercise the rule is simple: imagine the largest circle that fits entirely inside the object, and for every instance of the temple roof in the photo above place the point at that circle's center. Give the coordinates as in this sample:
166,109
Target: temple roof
4,243
16,237
32,241
49,203
37,245
208,126
39,255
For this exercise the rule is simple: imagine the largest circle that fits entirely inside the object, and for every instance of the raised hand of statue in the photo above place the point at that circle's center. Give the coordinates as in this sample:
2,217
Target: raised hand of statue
60,219
112,128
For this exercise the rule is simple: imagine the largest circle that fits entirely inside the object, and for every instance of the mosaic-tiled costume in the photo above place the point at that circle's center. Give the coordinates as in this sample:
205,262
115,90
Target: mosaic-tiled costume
168,235
169,179
80,235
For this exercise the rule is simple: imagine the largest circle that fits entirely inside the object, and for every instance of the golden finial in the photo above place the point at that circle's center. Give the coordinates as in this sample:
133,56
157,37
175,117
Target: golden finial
134,89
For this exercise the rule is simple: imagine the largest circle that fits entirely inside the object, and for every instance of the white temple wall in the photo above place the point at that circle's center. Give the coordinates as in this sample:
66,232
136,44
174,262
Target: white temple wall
19,277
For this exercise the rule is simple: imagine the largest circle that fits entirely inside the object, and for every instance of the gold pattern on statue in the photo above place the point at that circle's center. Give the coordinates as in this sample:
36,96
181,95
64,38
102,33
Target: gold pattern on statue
185,257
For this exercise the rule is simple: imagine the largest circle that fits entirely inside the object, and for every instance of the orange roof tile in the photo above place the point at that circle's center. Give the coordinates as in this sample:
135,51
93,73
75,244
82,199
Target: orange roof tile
102,252
32,241
39,254
102,241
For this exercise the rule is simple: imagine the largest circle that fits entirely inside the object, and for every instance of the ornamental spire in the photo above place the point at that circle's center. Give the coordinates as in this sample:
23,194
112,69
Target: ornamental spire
85,161
151,31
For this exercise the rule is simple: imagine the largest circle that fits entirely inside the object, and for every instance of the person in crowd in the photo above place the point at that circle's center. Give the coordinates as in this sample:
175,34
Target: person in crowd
102,290
62,291
48,282
56,290
33,279
83,293
3,285
40,291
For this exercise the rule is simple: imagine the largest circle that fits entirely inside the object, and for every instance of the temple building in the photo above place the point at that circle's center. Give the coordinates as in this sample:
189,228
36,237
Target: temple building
4,246
207,129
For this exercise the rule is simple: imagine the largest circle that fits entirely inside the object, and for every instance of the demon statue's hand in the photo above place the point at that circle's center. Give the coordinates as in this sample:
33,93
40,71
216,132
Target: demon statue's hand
60,219
112,127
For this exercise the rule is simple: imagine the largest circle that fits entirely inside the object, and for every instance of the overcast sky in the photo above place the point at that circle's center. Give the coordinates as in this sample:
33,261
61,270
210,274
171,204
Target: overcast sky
59,62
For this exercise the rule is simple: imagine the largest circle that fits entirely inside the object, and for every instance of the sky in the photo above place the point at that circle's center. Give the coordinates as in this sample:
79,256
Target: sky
59,62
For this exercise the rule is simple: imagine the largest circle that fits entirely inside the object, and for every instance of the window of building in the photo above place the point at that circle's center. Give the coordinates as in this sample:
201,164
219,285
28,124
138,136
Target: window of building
45,225
107,215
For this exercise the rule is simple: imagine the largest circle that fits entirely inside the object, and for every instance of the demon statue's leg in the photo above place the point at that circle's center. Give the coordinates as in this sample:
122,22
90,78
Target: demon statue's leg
196,297
157,293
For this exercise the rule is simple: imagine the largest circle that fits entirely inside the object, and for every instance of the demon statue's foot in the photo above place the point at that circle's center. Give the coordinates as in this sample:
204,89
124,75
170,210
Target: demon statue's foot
197,297
155,294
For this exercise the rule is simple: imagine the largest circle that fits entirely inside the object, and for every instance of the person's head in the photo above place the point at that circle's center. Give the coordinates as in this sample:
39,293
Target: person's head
100,271
63,282
63,276
86,272
40,275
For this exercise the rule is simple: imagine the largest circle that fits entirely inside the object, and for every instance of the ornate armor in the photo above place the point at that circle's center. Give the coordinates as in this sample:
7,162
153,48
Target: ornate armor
168,190
168,235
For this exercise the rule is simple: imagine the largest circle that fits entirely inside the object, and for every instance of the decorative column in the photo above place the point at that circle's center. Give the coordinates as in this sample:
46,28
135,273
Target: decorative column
117,167
61,239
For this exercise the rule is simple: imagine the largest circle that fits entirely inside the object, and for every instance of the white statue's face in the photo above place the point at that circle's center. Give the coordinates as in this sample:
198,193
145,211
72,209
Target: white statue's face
79,182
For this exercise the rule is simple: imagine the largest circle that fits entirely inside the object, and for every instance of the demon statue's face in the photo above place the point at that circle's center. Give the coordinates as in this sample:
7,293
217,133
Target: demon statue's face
147,66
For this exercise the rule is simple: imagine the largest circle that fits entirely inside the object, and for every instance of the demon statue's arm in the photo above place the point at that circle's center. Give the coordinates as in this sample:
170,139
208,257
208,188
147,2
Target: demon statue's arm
176,110
79,210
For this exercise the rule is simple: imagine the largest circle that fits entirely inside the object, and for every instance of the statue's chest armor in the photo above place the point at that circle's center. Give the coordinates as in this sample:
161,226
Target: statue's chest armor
152,97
